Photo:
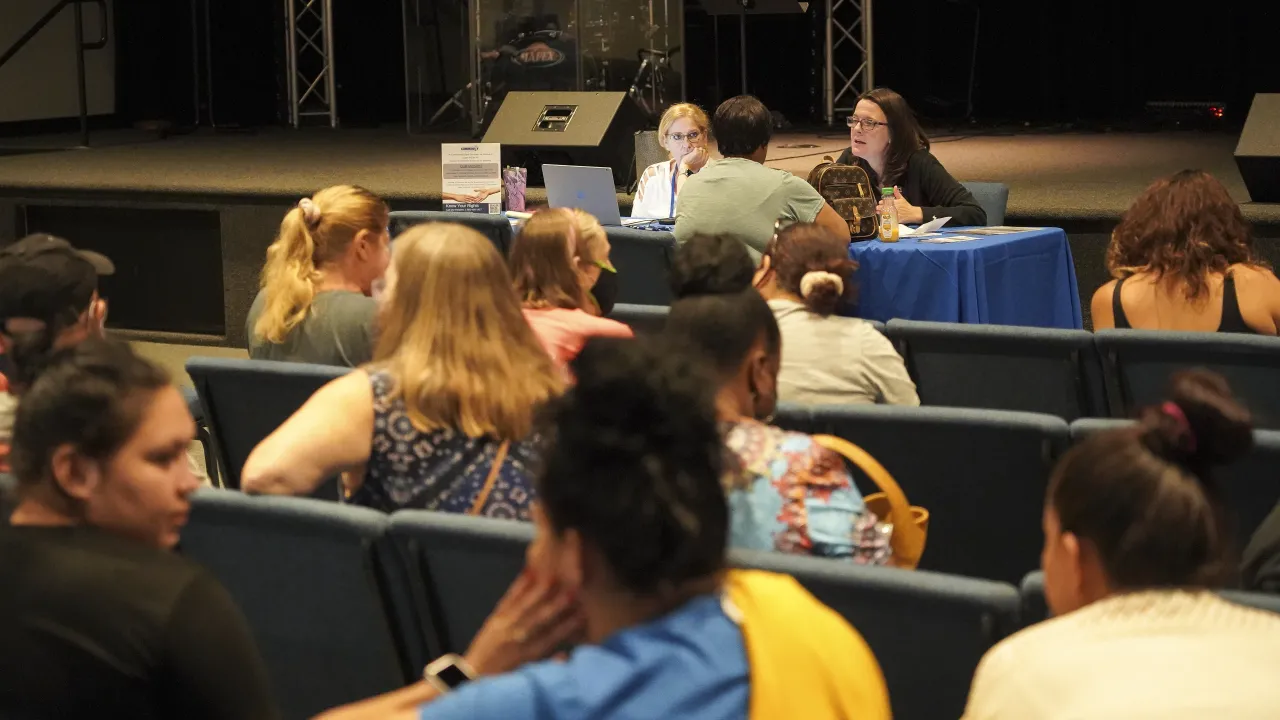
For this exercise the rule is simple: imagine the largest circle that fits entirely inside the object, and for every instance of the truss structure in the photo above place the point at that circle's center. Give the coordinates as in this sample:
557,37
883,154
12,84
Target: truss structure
850,70
309,50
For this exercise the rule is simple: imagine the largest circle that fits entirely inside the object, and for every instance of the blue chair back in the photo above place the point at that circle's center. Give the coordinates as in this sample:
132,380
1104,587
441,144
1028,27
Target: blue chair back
649,319
643,259
1251,485
306,575
927,630
495,227
1002,367
1138,364
461,566
1035,609
246,400
993,197
981,474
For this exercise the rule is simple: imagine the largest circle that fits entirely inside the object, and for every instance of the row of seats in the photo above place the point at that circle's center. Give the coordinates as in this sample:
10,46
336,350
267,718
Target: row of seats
1067,373
347,602
981,473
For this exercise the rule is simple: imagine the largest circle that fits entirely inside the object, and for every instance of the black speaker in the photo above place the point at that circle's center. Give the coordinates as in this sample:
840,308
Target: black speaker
568,128
1258,152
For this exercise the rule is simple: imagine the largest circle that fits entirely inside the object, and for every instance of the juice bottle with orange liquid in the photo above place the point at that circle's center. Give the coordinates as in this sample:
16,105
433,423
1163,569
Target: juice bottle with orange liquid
888,217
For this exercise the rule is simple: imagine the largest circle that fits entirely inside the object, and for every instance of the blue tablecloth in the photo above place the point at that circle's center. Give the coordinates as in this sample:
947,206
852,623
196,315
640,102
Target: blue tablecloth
1025,278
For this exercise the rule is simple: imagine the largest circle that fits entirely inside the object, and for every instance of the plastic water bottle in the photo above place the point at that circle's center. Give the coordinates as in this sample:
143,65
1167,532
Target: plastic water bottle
888,217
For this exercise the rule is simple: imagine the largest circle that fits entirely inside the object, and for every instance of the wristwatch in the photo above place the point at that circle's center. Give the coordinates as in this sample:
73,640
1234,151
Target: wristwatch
448,672
688,172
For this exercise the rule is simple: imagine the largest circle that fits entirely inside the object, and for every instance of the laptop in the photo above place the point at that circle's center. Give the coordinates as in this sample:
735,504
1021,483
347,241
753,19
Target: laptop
586,188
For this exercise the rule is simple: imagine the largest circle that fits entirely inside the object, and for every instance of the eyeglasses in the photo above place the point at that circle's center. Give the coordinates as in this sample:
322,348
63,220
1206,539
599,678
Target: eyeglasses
691,136
867,124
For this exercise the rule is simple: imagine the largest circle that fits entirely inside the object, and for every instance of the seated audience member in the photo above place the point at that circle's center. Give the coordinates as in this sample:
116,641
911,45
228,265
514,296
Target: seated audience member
737,195
683,132
99,618
315,305
555,261
711,265
886,140
1135,542
1183,259
633,571
443,417
787,493
805,274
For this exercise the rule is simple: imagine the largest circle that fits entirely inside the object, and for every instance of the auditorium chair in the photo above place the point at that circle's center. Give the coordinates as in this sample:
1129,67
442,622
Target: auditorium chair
649,150
246,400
643,259
1251,485
993,197
1137,365
307,575
1002,367
1035,609
981,474
495,227
928,630
459,566
649,319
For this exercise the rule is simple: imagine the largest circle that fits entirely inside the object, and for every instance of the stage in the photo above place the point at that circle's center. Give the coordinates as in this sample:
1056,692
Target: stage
188,217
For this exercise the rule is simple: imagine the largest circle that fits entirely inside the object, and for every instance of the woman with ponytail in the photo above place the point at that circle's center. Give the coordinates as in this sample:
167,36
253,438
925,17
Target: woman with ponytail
805,274
316,302
1136,539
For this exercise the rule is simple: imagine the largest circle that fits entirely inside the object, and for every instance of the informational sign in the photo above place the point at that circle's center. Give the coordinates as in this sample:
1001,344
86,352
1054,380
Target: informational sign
471,177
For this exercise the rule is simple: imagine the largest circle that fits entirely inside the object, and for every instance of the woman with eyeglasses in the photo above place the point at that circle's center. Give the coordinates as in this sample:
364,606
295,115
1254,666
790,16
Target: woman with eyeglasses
683,134
886,140
556,260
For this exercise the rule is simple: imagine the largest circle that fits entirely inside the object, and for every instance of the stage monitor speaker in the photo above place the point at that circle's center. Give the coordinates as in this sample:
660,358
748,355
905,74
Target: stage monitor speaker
1258,152
568,128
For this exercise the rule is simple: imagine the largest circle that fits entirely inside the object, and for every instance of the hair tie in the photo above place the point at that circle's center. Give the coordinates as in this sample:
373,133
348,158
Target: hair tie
310,213
1173,410
813,278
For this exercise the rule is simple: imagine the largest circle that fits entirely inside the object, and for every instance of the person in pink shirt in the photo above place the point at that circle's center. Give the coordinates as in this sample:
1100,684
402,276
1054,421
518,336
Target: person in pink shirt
556,259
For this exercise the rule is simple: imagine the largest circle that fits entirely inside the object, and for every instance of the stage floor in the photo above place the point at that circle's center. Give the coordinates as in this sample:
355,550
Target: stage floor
1057,176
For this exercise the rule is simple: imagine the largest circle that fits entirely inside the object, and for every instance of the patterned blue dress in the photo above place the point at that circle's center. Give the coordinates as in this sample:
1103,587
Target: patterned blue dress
439,470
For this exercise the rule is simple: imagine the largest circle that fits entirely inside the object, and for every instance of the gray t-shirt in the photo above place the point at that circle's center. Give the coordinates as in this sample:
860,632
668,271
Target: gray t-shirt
743,199
337,331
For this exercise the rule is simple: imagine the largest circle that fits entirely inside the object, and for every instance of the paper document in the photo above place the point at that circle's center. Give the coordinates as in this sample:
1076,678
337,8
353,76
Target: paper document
948,239
1000,230
934,224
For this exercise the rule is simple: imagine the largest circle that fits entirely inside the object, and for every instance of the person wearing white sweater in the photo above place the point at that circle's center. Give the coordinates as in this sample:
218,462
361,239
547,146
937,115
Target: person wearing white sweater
1135,542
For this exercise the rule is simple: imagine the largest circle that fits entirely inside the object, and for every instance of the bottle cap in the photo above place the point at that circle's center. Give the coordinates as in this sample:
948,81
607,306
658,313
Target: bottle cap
886,192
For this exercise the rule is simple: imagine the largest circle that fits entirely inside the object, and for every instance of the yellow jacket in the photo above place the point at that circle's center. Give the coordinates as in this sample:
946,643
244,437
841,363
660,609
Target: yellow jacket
805,661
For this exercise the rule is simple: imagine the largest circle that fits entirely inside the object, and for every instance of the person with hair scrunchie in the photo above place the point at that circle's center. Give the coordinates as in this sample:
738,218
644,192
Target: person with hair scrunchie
1136,540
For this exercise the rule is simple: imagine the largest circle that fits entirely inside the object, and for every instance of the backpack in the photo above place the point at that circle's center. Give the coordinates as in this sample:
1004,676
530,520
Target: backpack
847,189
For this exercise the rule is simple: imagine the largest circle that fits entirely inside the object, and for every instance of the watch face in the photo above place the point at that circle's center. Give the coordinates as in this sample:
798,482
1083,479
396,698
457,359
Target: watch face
452,676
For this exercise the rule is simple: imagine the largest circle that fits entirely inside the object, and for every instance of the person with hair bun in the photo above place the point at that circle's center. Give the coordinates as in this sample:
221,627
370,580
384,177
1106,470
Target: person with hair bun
316,303
805,275
628,562
1183,258
1136,539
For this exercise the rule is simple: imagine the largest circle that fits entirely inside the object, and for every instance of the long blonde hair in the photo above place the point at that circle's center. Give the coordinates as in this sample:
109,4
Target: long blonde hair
455,341
317,230
542,258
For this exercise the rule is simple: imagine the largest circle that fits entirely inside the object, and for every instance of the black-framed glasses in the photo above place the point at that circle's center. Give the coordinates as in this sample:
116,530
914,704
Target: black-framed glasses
691,136
867,124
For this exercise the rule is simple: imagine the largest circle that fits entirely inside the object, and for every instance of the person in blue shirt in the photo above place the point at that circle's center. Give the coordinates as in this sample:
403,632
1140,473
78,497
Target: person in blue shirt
629,564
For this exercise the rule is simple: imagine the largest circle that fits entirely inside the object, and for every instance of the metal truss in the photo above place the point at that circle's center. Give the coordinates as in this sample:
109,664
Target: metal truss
850,70
310,60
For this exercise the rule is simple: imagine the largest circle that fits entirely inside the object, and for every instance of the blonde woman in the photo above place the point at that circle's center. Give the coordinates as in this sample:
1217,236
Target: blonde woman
683,133
443,417
315,303
556,260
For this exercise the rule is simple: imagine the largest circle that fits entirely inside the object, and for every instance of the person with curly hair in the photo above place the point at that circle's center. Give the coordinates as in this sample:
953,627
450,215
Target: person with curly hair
1183,259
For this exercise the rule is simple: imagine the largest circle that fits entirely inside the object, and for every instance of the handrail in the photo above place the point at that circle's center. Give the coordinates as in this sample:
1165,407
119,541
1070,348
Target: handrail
81,46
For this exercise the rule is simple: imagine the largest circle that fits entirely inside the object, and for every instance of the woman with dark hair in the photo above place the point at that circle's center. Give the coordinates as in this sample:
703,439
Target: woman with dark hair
1183,259
886,140
787,493
737,196
1135,542
99,619
804,275
634,570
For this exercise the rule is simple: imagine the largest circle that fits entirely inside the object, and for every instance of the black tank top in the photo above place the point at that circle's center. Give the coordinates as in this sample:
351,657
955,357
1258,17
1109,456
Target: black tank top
1231,322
